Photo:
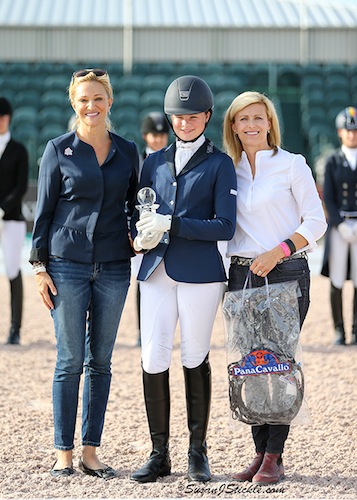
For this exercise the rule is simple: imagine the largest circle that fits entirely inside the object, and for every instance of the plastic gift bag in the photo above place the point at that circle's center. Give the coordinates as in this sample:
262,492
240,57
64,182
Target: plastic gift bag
266,382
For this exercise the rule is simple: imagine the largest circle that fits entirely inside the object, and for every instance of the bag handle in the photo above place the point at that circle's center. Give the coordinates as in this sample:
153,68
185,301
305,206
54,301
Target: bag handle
248,280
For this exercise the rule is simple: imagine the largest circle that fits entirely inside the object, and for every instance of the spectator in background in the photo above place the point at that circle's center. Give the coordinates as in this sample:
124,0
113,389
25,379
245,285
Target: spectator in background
340,197
14,169
81,258
155,133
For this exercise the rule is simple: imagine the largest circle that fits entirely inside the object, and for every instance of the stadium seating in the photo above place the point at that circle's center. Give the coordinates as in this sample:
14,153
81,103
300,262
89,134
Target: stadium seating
129,82
125,115
309,97
54,97
127,98
223,99
152,99
27,98
24,114
156,82
56,82
288,75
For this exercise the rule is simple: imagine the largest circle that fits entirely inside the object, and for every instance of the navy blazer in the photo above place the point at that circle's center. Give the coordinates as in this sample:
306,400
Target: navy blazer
340,194
202,202
82,209
14,171
340,191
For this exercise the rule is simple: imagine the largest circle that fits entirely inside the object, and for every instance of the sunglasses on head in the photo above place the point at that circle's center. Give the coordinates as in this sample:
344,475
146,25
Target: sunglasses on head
84,72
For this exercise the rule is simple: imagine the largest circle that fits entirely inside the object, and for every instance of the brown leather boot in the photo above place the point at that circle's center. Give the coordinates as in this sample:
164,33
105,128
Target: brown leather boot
271,471
248,473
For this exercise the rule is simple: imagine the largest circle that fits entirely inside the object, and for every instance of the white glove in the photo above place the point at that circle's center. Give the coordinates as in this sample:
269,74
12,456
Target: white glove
346,231
150,222
145,242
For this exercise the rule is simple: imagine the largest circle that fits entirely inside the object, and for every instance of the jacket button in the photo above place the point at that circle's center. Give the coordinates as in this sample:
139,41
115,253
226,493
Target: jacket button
171,202
174,183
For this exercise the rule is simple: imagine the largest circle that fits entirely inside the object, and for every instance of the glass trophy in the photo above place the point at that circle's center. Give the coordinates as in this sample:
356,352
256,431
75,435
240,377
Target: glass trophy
146,197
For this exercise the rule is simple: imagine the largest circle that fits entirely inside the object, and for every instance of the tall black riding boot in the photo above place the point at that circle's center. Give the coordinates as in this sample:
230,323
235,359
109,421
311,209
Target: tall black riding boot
198,401
354,326
157,402
336,308
16,294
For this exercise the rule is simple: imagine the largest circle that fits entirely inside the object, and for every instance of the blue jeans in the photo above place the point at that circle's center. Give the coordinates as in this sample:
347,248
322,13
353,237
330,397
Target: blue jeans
271,438
87,310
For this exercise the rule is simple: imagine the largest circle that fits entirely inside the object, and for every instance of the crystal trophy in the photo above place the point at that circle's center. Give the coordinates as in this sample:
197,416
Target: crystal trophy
146,197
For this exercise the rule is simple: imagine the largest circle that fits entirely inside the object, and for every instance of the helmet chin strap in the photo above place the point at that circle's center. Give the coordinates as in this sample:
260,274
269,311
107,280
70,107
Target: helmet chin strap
192,140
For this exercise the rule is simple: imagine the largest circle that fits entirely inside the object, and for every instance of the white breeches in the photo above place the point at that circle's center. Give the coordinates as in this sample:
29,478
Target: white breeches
163,302
12,239
338,259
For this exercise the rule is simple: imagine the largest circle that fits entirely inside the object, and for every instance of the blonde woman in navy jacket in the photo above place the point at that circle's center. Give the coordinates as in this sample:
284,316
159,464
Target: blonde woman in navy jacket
182,275
81,256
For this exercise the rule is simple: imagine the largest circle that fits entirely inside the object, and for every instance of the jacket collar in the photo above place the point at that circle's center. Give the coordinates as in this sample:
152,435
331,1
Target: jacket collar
200,155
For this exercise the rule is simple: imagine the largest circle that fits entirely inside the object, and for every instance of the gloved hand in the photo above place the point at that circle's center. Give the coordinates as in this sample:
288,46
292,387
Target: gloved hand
145,242
150,222
346,231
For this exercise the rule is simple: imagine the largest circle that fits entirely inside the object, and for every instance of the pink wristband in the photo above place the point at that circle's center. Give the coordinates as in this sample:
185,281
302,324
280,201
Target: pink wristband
286,249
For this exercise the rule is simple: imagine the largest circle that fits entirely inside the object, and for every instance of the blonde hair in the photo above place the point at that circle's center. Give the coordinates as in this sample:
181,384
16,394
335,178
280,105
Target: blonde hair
231,142
90,77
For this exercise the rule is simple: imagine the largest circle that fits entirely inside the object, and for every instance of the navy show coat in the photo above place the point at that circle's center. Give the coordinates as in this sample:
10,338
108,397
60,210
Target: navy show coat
340,195
202,202
14,170
82,208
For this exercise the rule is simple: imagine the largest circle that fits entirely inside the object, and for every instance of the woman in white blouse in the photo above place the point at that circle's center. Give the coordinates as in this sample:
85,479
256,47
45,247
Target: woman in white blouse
279,218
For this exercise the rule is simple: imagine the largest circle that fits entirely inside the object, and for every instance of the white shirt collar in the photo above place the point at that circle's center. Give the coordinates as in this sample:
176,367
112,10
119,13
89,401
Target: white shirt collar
185,151
194,146
351,156
4,139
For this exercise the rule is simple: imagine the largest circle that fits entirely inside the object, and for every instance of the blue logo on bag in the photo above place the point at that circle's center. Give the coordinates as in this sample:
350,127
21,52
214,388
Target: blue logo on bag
260,362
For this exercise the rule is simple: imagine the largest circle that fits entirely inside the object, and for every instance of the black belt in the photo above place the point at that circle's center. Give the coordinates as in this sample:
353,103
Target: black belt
348,214
247,261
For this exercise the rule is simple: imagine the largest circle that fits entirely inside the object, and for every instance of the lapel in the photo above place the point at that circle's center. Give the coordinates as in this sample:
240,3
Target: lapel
200,155
170,158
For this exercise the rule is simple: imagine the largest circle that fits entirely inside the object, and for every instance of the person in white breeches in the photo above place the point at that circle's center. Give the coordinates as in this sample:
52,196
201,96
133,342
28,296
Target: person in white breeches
182,276
340,197
14,169
164,301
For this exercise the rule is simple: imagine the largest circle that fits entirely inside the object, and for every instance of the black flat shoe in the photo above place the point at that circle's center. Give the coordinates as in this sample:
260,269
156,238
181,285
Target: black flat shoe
67,471
107,473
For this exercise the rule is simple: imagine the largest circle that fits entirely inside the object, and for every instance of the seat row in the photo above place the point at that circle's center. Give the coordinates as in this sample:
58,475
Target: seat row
42,110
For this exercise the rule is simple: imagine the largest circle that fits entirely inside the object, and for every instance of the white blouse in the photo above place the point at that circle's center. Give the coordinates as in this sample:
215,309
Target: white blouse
281,199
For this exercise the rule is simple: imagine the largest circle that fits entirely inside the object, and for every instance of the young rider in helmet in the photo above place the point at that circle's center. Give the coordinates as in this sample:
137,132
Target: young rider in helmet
340,197
182,274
